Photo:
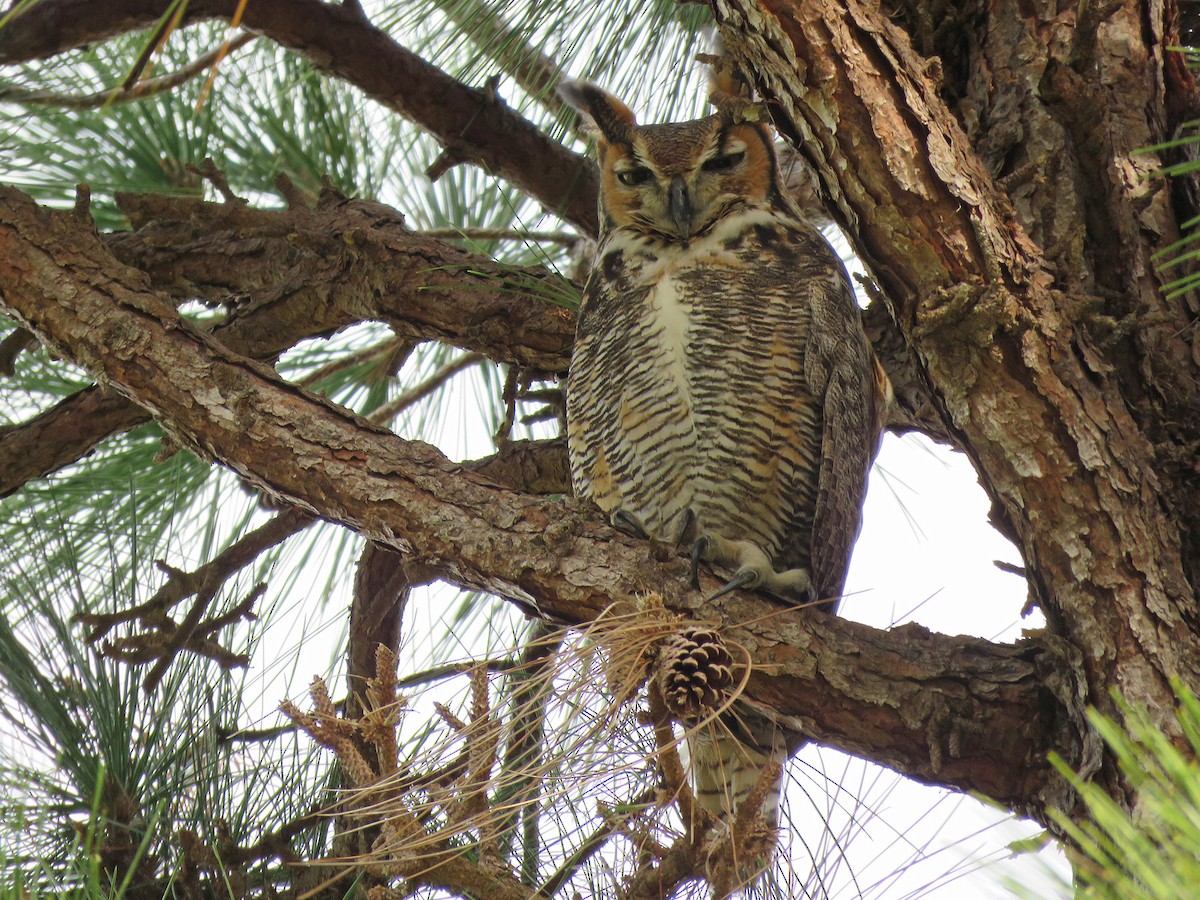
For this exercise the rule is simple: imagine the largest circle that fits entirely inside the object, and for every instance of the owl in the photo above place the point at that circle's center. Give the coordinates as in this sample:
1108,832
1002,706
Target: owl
722,393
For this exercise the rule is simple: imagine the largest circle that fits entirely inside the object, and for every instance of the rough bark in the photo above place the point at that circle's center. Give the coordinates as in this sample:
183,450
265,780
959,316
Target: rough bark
954,711
995,281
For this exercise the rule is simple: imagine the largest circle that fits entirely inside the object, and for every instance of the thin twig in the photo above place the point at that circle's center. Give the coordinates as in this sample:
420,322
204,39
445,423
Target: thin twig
614,823
682,862
1011,568
401,402
125,94
527,734
209,172
355,358
669,762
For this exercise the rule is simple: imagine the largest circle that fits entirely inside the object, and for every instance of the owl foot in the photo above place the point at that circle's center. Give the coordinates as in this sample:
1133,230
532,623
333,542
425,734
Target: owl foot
628,523
753,569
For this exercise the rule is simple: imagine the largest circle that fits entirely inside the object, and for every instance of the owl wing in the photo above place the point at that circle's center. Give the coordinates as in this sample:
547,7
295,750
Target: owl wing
846,379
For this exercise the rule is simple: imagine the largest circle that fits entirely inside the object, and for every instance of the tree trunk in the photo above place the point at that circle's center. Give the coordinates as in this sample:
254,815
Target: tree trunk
995,188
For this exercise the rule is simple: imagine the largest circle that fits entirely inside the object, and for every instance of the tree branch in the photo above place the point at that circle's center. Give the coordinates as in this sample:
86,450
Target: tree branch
343,262
955,711
307,273
473,124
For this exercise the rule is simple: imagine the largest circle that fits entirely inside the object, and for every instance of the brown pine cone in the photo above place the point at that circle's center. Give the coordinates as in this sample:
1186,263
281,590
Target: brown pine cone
695,672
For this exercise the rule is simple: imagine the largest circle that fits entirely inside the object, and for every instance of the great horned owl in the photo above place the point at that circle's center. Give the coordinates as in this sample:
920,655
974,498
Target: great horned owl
721,390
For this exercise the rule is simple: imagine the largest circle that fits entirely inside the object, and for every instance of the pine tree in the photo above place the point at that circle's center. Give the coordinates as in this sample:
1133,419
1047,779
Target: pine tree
258,258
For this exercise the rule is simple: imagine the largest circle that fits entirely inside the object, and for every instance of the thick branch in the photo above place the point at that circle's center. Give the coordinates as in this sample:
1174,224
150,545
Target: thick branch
954,711
308,273
62,435
312,271
473,124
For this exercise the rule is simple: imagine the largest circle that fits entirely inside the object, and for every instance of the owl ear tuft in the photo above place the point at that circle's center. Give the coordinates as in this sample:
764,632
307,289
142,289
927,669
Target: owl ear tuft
607,115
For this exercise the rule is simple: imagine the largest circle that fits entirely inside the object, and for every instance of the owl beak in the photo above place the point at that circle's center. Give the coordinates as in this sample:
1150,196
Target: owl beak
679,205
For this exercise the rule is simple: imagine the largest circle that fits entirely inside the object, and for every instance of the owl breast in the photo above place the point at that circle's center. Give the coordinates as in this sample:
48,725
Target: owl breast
687,386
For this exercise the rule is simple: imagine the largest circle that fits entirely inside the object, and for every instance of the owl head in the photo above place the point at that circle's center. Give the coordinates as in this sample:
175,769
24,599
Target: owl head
674,182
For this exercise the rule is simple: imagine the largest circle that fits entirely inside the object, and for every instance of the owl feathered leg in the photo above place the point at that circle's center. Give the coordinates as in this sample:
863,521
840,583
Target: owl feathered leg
726,768
753,569
628,522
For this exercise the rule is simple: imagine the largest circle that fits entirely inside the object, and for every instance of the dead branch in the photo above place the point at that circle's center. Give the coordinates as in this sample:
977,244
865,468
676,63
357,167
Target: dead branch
163,637
407,847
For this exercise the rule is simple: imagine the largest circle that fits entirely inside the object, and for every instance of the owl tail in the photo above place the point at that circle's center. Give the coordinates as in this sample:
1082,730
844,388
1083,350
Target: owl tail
726,760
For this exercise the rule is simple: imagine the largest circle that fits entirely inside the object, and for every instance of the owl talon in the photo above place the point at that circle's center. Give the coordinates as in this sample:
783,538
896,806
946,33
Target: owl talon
753,569
687,527
699,551
746,578
629,524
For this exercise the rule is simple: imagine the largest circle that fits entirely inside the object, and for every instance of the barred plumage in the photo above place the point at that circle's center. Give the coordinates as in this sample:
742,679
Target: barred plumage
720,378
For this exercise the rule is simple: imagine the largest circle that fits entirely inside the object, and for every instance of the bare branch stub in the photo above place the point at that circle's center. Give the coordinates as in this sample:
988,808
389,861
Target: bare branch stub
15,342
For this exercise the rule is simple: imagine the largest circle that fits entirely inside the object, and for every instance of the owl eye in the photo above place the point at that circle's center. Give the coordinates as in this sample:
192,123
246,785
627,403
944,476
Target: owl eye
724,163
636,175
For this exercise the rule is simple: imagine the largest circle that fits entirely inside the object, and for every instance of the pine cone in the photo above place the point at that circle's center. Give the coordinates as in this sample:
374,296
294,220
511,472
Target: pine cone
695,672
